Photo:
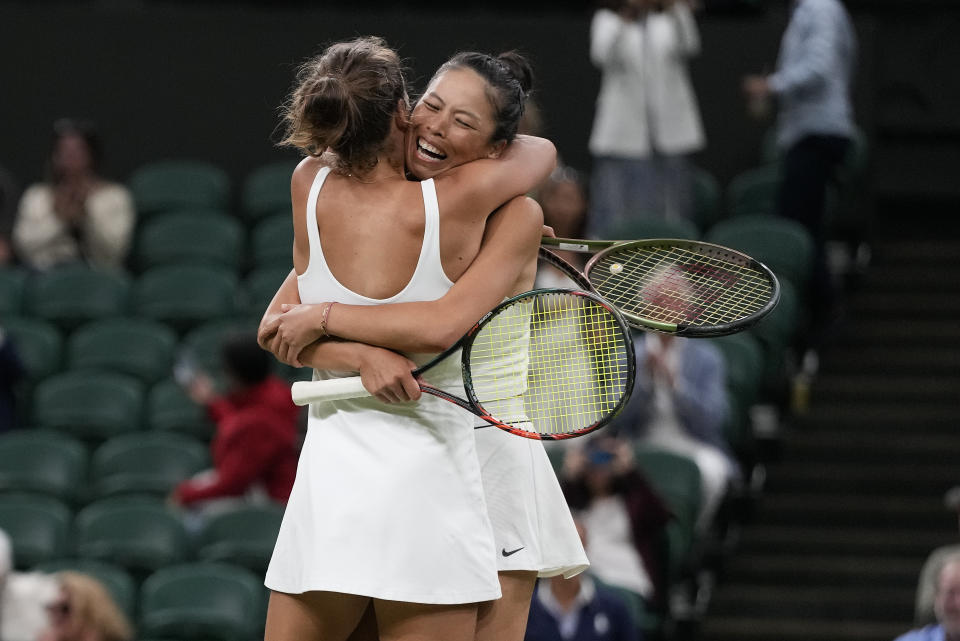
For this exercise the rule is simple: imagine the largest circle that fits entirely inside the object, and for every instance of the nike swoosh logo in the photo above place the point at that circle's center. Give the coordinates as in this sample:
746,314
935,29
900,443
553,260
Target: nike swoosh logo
505,553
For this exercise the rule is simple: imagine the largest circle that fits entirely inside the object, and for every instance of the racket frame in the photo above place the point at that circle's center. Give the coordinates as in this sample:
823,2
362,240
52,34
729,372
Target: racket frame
471,403
603,248
474,405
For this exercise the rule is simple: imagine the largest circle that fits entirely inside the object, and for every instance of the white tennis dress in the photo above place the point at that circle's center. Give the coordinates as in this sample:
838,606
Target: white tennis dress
388,500
532,524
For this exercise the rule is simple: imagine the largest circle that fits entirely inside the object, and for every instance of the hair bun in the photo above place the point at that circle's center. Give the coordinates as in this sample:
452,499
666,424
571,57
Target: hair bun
327,107
519,67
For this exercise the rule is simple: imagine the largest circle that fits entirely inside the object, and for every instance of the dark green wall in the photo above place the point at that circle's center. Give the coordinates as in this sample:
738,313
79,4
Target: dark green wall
169,80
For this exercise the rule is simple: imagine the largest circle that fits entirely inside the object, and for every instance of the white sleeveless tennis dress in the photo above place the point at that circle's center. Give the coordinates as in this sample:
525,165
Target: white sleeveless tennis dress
388,501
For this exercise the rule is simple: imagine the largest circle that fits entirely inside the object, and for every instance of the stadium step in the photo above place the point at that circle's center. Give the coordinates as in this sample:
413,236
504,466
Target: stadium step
870,446
854,506
856,539
870,388
892,605
749,628
815,475
811,570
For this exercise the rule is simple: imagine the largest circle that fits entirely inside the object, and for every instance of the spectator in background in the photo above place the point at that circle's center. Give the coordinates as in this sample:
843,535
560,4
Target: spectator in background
625,517
579,609
75,215
23,598
11,371
946,606
679,404
255,447
85,611
563,198
812,85
647,121
8,204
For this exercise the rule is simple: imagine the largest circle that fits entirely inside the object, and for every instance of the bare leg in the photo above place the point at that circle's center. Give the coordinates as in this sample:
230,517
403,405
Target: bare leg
313,616
400,621
506,618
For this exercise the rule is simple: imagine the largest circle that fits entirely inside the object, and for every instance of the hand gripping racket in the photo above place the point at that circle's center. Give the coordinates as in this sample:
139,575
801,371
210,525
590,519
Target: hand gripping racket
682,287
548,364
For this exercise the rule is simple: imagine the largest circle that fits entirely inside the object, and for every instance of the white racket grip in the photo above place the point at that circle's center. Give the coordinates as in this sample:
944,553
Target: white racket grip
334,389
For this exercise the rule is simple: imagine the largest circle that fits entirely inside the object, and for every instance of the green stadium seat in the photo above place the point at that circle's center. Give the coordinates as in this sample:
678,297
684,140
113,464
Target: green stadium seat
186,295
272,241
745,368
244,536
743,357
177,184
754,191
133,346
114,578
261,285
39,344
139,534
38,527
89,405
145,463
44,462
71,296
190,237
785,246
676,479
643,228
781,326
769,152
267,190
707,202
202,601
170,409
12,281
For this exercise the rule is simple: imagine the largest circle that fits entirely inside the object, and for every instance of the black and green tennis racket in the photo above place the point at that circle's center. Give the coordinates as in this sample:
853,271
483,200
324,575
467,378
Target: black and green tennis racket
547,364
683,287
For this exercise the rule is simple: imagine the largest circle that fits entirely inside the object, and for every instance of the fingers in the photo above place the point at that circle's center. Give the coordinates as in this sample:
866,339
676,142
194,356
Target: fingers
411,388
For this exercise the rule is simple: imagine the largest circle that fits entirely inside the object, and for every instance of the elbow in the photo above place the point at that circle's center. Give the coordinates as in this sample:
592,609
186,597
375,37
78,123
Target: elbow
438,339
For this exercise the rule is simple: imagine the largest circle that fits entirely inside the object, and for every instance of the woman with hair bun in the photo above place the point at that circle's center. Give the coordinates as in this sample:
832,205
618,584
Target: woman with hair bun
533,529
388,510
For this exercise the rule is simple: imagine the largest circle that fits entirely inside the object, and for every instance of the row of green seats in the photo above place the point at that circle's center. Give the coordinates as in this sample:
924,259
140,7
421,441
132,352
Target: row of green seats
138,533
180,296
169,185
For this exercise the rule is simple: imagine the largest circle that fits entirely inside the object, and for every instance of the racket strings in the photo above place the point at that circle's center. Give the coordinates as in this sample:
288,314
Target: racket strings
560,366
680,285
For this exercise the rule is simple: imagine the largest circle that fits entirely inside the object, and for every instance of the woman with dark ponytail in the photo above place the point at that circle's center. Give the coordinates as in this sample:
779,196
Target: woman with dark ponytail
387,515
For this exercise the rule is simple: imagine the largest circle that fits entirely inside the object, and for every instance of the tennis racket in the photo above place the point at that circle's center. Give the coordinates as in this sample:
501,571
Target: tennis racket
548,364
683,287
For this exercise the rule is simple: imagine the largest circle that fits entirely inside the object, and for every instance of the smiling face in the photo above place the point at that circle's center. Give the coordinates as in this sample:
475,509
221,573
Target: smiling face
451,124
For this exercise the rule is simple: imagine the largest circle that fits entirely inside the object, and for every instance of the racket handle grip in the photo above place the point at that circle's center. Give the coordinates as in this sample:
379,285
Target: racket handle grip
335,389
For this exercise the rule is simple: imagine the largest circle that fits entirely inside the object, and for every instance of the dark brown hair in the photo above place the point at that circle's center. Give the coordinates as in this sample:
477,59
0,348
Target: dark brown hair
509,78
344,100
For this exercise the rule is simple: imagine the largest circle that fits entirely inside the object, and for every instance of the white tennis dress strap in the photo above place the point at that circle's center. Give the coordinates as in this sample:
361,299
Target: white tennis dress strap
313,232
430,264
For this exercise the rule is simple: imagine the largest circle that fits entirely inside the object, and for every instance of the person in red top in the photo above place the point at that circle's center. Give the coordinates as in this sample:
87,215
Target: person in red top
256,444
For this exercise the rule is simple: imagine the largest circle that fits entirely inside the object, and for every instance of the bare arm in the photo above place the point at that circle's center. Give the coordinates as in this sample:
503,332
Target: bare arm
477,188
506,264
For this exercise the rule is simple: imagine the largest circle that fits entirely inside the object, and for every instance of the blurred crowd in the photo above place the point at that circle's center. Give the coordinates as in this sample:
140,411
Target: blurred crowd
650,544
